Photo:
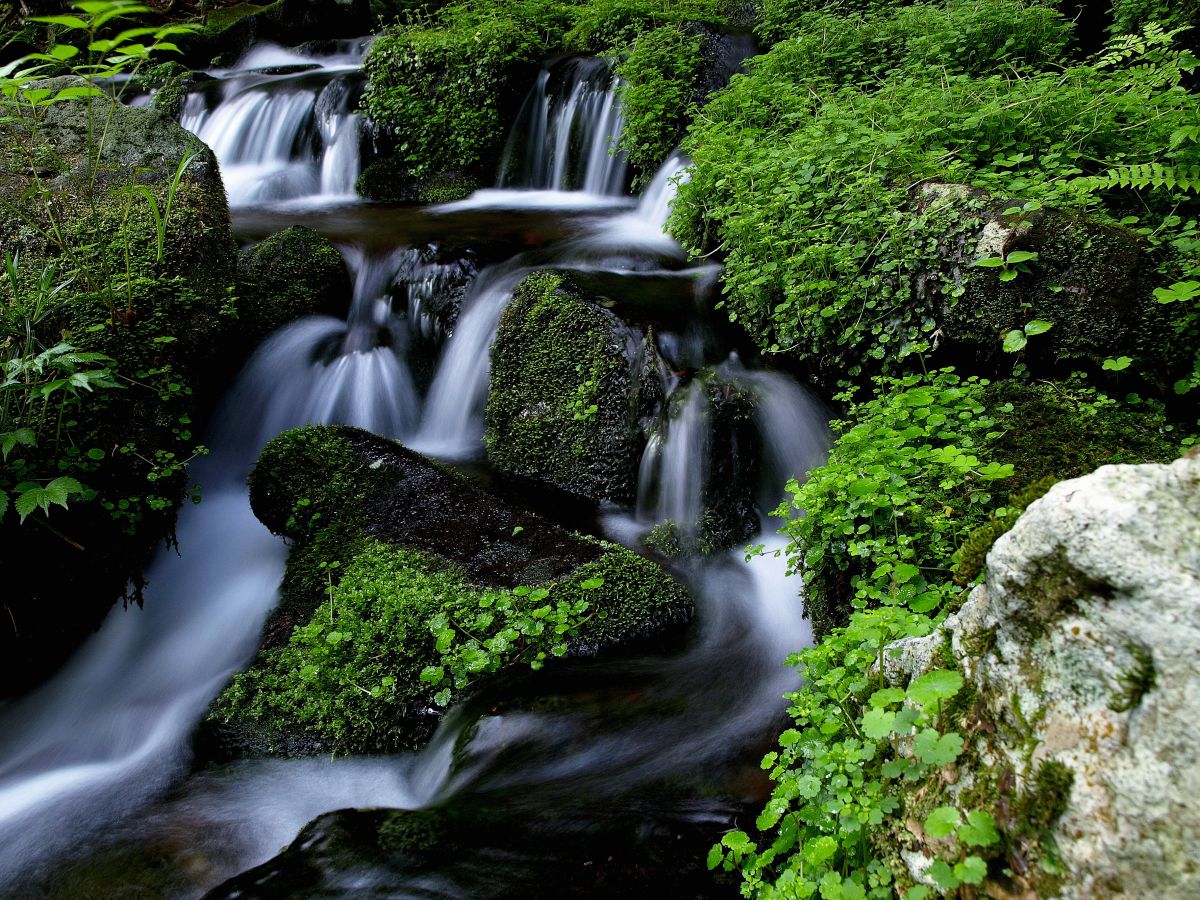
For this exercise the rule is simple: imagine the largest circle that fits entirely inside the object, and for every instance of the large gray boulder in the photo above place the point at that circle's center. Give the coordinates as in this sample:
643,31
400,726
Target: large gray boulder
1082,649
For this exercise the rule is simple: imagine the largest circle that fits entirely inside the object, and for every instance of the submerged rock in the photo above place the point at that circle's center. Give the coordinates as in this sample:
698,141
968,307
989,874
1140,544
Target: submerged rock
153,291
1080,649
385,540
572,388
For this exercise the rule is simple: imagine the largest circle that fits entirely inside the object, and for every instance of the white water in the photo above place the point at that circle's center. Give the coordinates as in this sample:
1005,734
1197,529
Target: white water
283,138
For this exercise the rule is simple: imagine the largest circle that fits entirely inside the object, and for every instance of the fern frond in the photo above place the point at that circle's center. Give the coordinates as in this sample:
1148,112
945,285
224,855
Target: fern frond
1145,176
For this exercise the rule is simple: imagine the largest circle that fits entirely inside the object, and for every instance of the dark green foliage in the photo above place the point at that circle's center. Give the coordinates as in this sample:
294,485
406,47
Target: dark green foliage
660,77
1131,16
291,274
390,180
444,87
805,180
564,397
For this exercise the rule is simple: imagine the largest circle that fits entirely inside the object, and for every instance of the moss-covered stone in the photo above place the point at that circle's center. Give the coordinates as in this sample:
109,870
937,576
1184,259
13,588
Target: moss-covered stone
1093,280
391,180
384,541
291,274
566,391
78,210
229,30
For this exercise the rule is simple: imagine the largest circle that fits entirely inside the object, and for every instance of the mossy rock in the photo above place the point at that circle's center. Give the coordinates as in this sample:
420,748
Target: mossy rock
164,317
1091,279
569,385
384,540
391,180
291,274
228,31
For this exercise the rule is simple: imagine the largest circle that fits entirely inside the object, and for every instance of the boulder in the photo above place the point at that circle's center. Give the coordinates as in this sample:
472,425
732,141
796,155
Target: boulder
153,291
289,275
1093,280
1080,650
572,389
385,540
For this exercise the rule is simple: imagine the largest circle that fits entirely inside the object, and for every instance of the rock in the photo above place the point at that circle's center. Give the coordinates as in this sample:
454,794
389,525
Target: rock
571,388
1081,649
291,274
384,540
1091,279
389,180
164,318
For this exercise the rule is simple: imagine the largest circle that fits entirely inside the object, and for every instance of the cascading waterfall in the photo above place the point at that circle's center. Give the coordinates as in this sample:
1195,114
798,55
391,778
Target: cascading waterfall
110,733
283,137
567,133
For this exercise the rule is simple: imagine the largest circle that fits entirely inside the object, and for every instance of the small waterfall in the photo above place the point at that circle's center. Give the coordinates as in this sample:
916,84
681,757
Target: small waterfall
452,423
567,132
282,137
654,209
675,465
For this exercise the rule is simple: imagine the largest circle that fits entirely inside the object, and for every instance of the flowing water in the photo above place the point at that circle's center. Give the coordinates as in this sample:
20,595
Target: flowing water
99,757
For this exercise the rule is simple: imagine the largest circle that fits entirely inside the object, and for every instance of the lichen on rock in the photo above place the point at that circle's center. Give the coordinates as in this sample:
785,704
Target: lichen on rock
1081,649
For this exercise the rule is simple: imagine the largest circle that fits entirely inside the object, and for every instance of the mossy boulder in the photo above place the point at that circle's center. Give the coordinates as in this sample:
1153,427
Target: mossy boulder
291,274
1091,279
1078,653
570,388
391,180
80,213
384,540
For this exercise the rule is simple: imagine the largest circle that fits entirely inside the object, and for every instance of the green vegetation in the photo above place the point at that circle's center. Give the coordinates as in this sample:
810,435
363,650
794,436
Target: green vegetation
293,273
390,611
805,170
447,83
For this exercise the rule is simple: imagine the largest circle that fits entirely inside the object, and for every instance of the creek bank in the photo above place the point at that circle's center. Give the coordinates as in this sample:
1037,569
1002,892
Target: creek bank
384,540
77,216
1079,650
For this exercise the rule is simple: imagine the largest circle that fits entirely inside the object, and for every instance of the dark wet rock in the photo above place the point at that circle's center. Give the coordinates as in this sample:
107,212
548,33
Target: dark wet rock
406,539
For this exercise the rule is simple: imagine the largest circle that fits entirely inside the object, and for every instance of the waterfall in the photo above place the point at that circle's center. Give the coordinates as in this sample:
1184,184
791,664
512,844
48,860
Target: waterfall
675,465
452,423
654,209
282,137
567,132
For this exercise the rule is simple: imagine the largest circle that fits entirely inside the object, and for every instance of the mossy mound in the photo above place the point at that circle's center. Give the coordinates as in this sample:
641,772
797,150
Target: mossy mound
227,32
291,274
569,386
156,299
384,541
391,180
1092,280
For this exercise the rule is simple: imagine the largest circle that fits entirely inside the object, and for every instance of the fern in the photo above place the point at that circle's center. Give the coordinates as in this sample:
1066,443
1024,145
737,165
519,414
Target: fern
1147,176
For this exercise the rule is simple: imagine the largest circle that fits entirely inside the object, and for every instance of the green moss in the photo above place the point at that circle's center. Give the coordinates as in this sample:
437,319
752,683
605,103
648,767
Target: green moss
391,180
291,274
971,557
305,479
340,666
562,406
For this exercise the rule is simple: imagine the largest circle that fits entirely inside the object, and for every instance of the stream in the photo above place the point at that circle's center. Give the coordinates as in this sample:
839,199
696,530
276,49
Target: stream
98,792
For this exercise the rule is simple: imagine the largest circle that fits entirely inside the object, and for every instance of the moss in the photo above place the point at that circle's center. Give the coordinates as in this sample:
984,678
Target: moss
1061,431
562,407
1091,279
391,180
291,274
380,548
1136,681
971,557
